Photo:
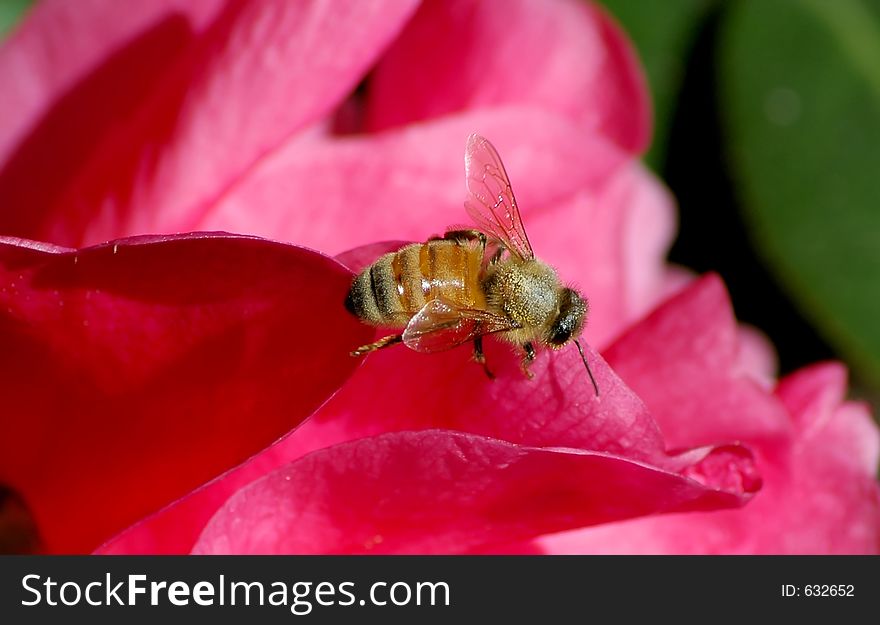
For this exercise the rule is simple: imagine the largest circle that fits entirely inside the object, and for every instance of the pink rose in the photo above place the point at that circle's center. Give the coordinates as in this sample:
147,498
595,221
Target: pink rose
145,367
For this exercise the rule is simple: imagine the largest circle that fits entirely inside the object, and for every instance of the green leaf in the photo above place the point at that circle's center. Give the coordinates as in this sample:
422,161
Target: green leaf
10,13
663,32
800,103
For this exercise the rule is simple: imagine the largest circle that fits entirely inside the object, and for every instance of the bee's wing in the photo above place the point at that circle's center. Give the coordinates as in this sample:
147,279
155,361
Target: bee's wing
442,325
490,201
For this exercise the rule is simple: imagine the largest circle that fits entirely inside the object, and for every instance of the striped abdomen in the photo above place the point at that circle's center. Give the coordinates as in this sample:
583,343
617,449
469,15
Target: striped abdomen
398,284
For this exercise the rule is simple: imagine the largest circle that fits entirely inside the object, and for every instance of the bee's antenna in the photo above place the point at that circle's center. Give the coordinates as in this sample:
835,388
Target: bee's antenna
587,365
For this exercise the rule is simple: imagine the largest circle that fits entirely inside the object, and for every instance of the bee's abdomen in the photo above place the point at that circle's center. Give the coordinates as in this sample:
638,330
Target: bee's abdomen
373,296
397,285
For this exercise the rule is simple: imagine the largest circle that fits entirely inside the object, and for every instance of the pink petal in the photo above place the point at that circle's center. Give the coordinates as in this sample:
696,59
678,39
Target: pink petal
441,492
567,57
834,478
337,194
811,394
757,356
74,73
683,361
605,225
175,529
84,61
558,408
198,132
820,493
843,432
151,365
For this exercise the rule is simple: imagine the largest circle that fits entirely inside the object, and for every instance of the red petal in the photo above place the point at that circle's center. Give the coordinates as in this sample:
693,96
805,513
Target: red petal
134,371
566,57
441,492
260,72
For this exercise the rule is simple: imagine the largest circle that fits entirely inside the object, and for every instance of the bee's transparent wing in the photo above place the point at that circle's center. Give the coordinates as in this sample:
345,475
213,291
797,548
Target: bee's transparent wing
442,325
490,201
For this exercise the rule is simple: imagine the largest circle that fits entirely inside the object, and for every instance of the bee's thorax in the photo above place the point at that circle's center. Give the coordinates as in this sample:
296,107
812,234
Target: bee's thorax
525,291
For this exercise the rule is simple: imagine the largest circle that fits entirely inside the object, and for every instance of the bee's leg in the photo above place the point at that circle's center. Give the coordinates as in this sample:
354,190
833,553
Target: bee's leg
385,341
480,357
527,360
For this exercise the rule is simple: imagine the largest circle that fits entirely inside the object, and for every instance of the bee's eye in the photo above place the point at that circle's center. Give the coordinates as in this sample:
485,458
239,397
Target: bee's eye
560,332
569,320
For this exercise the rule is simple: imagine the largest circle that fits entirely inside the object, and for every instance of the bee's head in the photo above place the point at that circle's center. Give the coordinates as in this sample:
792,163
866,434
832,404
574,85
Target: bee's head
570,320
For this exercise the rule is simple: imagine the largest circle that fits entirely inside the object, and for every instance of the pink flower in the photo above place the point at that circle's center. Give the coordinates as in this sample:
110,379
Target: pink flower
145,367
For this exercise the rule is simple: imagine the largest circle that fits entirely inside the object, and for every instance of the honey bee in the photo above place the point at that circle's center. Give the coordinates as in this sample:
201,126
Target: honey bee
468,284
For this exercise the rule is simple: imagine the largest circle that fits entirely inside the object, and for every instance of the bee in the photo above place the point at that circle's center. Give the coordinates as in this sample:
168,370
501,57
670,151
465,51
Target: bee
468,284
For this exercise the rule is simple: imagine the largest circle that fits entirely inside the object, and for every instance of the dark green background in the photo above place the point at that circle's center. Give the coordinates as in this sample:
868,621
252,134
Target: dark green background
768,128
